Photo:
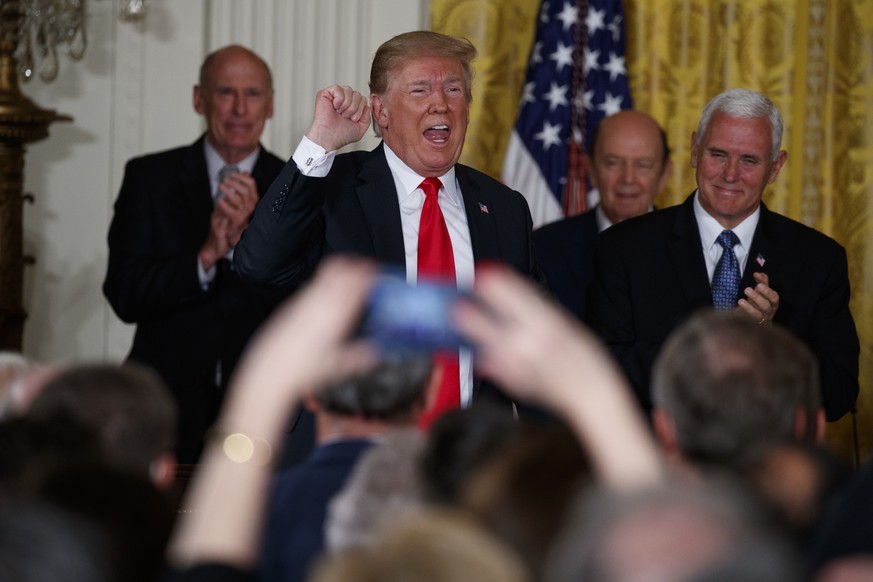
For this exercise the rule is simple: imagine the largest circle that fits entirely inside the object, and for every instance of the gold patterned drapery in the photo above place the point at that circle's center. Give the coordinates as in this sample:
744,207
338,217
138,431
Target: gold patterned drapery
814,58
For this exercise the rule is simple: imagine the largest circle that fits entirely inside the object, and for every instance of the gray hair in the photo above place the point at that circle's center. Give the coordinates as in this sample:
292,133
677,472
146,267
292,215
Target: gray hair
745,104
716,533
385,483
389,392
730,385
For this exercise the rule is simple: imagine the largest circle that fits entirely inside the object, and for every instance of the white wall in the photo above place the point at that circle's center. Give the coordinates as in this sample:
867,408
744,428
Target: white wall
131,95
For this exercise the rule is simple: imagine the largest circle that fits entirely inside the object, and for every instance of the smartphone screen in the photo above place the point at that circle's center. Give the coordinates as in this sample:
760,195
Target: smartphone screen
412,318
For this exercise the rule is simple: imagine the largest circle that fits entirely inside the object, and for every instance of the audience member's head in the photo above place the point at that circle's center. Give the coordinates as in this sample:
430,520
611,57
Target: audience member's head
235,96
723,385
40,542
459,443
430,546
673,532
797,481
524,493
391,395
135,517
385,483
58,461
854,568
128,407
26,385
29,447
394,391
629,163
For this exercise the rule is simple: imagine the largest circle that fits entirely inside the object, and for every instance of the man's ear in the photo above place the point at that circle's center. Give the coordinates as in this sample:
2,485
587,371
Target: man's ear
777,165
162,471
311,403
197,100
665,431
379,110
805,433
270,105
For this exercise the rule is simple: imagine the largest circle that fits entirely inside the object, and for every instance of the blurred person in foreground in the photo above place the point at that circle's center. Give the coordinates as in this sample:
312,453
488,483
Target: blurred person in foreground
723,386
734,397
127,407
680,531
526,343
351,416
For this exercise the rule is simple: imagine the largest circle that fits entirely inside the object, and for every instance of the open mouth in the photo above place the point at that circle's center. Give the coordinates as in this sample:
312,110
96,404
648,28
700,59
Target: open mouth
438,134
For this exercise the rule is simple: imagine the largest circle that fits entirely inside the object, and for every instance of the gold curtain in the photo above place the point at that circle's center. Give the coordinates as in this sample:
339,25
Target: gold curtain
814,58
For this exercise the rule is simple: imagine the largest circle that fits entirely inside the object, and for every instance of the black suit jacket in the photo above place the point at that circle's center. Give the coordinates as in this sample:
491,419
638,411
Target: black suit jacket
650,275
294,535
161,220
565,253
354,210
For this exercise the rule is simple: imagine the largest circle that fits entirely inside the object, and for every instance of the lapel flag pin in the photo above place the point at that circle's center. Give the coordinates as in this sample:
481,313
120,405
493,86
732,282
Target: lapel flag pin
483,208
760,260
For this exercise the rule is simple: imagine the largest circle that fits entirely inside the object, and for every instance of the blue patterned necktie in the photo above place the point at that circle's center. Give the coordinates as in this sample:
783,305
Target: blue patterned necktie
726,279
222,176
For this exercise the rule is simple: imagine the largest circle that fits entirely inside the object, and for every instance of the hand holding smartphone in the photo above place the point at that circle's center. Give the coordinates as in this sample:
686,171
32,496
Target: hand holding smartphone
414,319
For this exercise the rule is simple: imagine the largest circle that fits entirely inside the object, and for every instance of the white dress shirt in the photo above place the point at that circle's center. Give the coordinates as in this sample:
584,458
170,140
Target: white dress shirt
312,160
710,229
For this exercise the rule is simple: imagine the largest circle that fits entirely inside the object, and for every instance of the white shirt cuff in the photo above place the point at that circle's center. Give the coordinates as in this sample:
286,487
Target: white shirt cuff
312,159
206,276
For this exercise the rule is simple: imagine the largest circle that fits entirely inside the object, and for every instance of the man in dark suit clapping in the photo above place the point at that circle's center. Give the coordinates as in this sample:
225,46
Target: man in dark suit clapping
723,248
177,218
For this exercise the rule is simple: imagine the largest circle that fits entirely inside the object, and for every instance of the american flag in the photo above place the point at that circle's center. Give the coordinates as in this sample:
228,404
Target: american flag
576,76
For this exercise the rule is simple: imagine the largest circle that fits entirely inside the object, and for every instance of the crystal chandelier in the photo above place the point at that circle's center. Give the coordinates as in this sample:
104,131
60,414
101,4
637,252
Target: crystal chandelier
52,26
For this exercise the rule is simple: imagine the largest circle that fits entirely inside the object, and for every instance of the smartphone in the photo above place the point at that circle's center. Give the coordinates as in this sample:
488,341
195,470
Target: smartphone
415,319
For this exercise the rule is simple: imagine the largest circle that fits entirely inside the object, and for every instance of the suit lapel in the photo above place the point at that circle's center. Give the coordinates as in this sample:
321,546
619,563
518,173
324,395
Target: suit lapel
194,178
480,218
686,255
377,195
762,251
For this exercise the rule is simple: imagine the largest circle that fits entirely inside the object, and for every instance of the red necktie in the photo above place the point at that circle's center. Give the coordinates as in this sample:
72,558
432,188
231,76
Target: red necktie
435,260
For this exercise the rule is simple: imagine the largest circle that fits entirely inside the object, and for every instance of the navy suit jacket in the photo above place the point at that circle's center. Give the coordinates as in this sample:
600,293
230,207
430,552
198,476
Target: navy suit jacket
355,210
161,220
565,253
298,509
650,275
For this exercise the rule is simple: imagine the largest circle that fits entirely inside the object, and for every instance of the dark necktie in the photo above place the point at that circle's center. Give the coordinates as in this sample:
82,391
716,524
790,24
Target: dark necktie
726,278
436,260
